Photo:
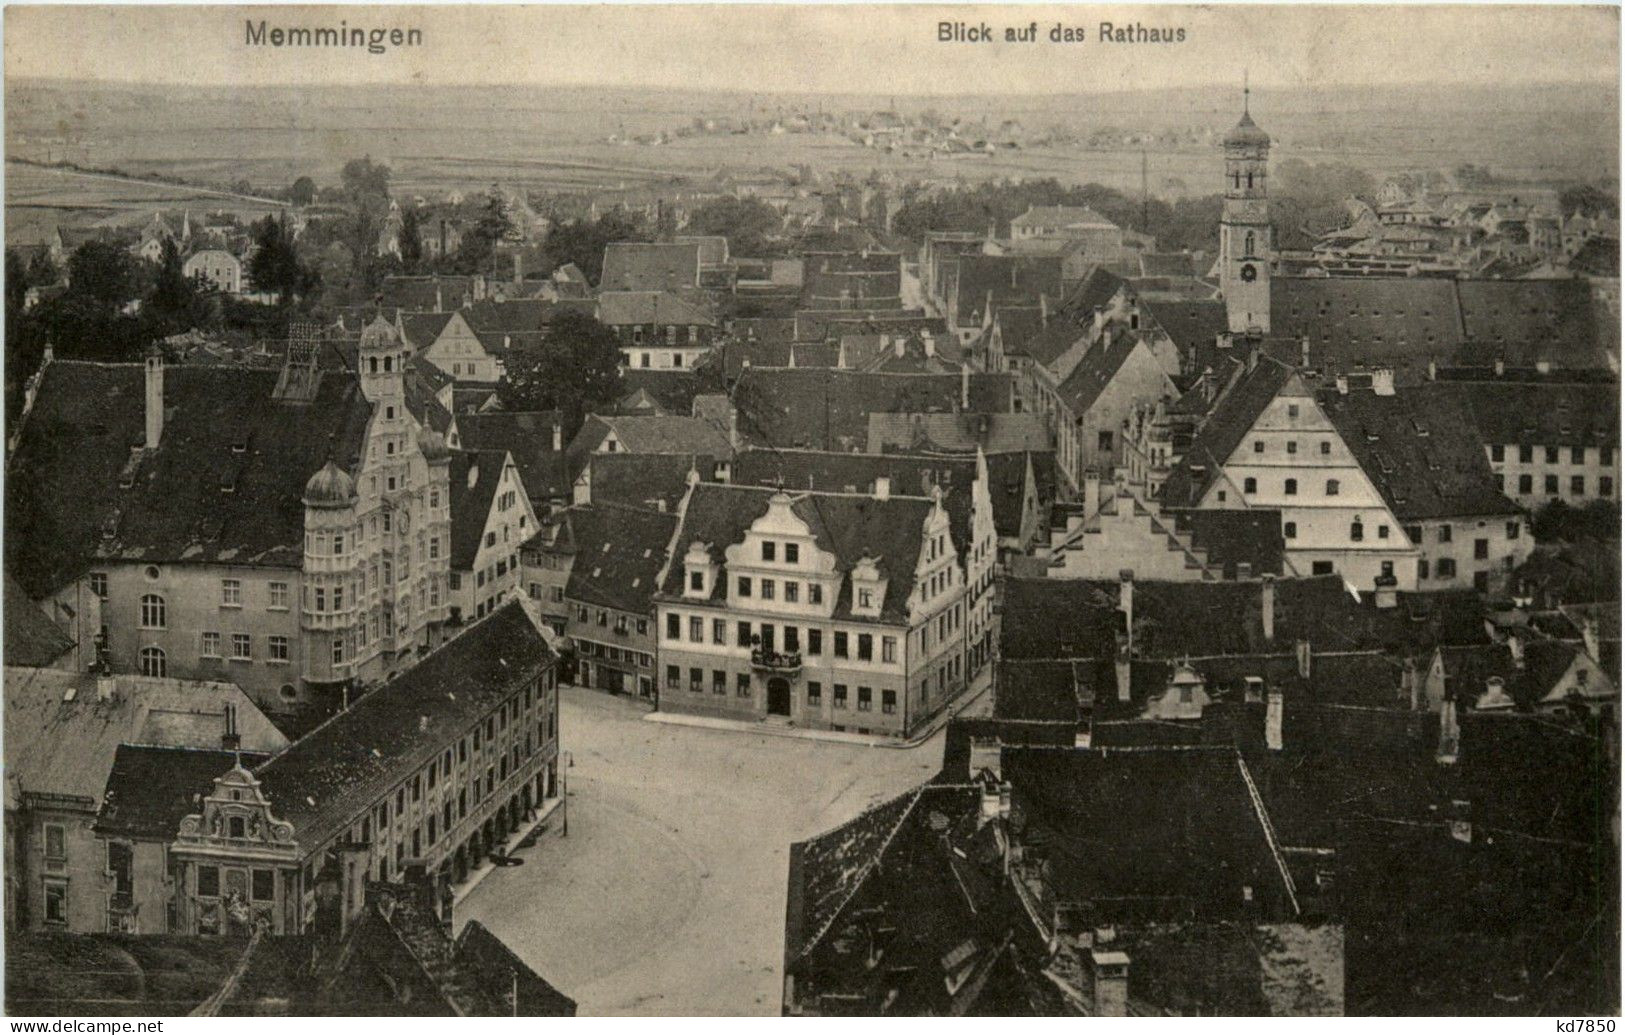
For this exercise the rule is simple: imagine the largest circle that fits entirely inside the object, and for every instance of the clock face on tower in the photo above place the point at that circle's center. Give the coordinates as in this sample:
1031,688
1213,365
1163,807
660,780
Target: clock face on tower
1249,272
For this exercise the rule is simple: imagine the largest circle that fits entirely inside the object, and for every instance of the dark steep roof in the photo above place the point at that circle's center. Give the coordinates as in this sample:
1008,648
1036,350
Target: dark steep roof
646,480
619,553
503,975
851,527
1419,448
1403,322
32,640
528,438
1232,537
1193,325
151,789
1007,279
323,781
1096,370
1223,430
829,409
224,485
638,266
795,470
1536,413
471,503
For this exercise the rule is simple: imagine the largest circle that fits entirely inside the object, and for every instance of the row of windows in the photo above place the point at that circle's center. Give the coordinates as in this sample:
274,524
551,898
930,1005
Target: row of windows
1290,486
242,646
838,698
1551,482
770,551
1446,533
1553,454
767,589
766,637
610,652
1292,447
623,623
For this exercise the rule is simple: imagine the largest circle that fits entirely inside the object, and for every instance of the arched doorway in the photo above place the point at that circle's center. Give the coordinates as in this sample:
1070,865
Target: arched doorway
778,696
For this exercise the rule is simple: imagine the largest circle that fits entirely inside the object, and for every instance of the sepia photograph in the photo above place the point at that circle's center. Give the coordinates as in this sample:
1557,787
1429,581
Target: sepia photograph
795,510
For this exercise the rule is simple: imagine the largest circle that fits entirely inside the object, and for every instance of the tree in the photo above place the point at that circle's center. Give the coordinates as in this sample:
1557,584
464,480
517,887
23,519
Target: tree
275,265
411,240
303,191
747,223
177,302
364,178
102,275
582,241
1587,200
573,369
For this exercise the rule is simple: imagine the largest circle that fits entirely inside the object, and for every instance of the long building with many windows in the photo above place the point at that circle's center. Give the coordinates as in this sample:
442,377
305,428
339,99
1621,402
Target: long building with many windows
838,611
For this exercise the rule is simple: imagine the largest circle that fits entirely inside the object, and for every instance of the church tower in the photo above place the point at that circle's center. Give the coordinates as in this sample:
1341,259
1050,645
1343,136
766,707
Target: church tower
1245,248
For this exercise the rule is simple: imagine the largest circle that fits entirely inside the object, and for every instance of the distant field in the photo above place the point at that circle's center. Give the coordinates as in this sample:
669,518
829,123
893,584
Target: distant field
556,139
37,200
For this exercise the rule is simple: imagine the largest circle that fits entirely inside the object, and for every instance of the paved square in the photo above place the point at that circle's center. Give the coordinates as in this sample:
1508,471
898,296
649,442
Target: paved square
668,895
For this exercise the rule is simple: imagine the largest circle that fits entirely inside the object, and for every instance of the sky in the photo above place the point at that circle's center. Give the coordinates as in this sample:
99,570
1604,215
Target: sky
833,49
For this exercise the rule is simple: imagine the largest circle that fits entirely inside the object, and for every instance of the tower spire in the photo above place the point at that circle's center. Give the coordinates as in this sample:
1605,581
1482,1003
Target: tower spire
1246,93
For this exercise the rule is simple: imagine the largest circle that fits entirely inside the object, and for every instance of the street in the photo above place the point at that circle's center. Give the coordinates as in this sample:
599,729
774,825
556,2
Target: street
668,895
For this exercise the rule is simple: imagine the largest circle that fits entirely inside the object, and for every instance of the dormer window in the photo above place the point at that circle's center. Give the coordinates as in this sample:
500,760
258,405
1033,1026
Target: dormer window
769,550
700,571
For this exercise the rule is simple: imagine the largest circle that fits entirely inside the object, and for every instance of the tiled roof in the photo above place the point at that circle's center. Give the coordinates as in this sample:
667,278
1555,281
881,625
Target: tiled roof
672,390
1233,537
32,640
636,266
796,470
522,316
1354,322
420,330
46,709
324,780
646,480
1093,291
824,324
489,961
829,409
1098,368
528,438
1223,430
1060,217
832,867
1017,325
1176,619
1006,279
1534,413
1419,449
1178,826
890,531
151,789
653,433
432,294
1193,325
1167,264
619,553
475,476
993,433
224,485
660,308
1598,257
1007,484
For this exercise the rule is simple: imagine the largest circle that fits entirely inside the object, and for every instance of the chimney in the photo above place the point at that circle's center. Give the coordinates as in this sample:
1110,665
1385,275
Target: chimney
1124,672
230,739
964,386
1500,367
1589,633
1125,602
1433,370
1382,380
518,269
1515,646
899,347
1111,981
930,344
1449,734
1244,570
439,297
1543,366
155,397
1306,659
1266,605
882,488
1275,705
1495,695
1410,682
1387,595
1043,310
106,688
558,437
1342,384
1303,350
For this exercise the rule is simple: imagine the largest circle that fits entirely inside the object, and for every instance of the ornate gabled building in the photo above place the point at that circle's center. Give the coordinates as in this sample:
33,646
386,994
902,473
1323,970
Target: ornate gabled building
285,530
840,611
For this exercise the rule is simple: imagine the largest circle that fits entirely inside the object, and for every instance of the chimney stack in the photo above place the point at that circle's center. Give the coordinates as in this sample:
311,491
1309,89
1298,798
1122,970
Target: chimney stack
1342,384
964,386
1306,659
1433,370
1382,380
230,739
518,269
1387,595
558,437
1515,646
1543,366
1500,367
155,397
1303,350
1266,605
106,688
882,488
1110,971
1274,707
1449,734
1124,671
1590,634
1125,602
